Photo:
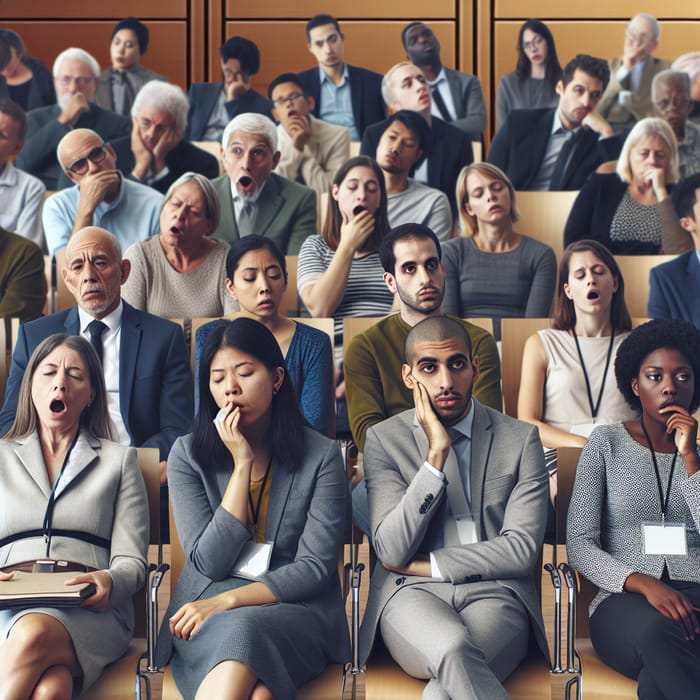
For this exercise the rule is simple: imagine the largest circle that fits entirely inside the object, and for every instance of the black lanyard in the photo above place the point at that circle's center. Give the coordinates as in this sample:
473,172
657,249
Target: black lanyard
596,406
255,510
662,500
48,514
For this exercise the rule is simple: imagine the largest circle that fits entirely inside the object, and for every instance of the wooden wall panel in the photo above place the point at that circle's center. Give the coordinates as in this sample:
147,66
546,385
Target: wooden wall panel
74,9
374,45
167,52
341,9
603,9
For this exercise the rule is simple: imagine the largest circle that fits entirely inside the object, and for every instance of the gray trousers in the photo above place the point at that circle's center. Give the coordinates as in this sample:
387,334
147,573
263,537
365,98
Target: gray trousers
465,638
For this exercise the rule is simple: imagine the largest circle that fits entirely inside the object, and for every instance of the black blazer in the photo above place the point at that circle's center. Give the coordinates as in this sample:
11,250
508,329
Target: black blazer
520,144
365,91
451,150
202,98
183,158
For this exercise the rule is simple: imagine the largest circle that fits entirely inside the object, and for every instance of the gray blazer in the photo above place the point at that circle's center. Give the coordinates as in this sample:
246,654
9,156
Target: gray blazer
137,76
101,493
509,502
469,103
305,522
286,213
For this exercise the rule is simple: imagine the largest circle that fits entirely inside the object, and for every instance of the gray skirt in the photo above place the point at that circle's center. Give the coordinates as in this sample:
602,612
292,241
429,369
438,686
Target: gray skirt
283,643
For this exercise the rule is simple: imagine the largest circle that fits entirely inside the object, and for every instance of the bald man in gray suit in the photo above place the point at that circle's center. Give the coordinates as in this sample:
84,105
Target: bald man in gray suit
458,505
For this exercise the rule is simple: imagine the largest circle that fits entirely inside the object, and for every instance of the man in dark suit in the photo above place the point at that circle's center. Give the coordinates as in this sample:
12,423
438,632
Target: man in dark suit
213,105
674,287
253,198
457,97
404,87
156,154
147,370
557,149
458,501
76,74
343,95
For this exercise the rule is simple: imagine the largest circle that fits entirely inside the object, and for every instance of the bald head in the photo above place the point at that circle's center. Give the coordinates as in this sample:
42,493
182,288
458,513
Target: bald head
82,152
435,329
94,270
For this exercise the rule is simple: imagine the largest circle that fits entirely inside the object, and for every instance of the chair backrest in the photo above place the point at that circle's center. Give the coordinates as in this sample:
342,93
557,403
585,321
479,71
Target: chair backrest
48,274
290,300
213,147
543,216
63,299
477,151
635,271
321,209
514,333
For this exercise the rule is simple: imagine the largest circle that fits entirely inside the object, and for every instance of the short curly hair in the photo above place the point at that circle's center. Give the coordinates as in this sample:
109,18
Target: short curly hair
670,334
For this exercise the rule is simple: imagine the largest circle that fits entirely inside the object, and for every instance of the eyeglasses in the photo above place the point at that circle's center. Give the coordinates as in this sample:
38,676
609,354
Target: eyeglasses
534,44
677,102
96,155
80,81
282,101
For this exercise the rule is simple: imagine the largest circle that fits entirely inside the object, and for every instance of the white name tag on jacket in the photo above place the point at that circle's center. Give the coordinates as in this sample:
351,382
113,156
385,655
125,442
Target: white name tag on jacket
665,538
254,560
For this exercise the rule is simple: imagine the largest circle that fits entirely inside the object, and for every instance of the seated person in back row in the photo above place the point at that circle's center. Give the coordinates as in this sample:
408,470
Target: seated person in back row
458,502
75,74
311,150
156,154
558,148
675,286
253,198
101,196
213,105
21,194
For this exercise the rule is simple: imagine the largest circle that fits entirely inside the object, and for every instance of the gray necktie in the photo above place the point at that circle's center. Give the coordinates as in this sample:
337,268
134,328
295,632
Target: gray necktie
96,329
245,220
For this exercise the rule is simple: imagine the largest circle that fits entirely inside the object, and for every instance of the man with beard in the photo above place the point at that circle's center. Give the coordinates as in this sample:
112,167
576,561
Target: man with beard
404,145
75,75
410,255
457,96
557,149
670,92
458,503
253,198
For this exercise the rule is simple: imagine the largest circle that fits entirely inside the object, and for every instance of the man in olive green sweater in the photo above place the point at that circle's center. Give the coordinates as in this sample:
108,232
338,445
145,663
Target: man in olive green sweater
410,255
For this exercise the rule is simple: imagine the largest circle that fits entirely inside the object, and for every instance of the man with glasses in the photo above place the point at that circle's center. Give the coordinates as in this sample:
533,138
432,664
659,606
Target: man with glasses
101,195
76,74
627,98
213,105
670,92
311,150
457,96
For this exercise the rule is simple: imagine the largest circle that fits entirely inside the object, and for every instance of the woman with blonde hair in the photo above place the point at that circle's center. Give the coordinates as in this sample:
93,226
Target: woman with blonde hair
630,211
492,270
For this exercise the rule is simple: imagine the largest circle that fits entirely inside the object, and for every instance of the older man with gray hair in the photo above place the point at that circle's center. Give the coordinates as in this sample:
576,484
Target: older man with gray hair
253,198
76,74
627,99
156,154
670,92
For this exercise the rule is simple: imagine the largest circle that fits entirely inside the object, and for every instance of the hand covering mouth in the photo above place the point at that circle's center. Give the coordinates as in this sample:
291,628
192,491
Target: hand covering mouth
358,210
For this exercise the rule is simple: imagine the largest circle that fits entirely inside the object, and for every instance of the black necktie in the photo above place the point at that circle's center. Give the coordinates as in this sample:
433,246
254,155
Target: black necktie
442,107
96,329
561,166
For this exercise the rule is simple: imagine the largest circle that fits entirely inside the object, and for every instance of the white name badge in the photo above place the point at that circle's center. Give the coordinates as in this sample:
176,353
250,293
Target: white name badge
667,538
466,529
254,560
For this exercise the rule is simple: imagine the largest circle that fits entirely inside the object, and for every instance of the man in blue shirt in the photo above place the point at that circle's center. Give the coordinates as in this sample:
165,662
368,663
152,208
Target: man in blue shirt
344,95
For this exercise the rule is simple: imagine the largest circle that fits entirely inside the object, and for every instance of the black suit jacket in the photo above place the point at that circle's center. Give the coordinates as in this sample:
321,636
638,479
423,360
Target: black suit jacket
183,158
520,145
44,132
451,151
155,380
202,98
365,91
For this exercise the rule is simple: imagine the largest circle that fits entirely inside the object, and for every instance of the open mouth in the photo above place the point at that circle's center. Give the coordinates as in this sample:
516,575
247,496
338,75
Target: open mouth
593,295
358,210
57,406
245,181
